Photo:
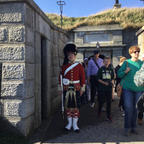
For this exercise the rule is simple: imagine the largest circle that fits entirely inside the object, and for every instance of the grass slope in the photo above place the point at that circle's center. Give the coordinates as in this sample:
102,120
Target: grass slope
126,17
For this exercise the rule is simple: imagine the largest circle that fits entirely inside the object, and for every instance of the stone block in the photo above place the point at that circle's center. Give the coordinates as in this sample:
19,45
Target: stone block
79,41
52,35
17,89
29,54
29,17
11,13
11,108
16,34
10,17
30,72
10,89
36,23
17,71
55,37
12,52
13,71
3,35
37,48
44,28
29,36
117,39
19,108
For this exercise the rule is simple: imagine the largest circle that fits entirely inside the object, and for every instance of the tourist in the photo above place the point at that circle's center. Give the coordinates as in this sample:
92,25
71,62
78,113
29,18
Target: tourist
93,66
131,92
105,77
85,96
111,66
121,104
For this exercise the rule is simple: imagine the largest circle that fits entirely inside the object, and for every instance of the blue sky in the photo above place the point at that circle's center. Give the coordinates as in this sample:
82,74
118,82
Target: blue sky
79,8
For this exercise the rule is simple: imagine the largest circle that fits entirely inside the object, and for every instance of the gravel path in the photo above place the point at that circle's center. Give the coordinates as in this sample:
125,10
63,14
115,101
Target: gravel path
93,129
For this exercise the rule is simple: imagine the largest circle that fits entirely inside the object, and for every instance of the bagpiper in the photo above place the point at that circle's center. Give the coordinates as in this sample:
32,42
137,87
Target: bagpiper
73,79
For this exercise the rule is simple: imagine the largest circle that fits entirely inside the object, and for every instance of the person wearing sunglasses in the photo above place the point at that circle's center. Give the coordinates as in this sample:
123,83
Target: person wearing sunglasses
131,92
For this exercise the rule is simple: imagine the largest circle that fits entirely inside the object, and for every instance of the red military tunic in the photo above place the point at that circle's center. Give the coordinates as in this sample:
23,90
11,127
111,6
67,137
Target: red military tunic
75,74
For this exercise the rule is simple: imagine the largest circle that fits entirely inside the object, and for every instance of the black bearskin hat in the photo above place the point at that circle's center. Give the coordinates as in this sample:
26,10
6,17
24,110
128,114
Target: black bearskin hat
70,47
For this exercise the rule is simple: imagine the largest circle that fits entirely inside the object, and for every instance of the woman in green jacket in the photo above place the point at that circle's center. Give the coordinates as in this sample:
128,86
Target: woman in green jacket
131,92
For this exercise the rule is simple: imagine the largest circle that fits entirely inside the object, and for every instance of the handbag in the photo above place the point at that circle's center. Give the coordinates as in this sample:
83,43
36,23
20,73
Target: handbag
119,90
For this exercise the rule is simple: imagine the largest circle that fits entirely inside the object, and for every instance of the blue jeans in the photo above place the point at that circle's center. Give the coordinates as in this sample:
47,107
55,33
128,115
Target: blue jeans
130,100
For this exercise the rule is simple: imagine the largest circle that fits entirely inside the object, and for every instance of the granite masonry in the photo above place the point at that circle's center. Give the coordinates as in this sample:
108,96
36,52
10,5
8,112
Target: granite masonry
30,49
108,38
111,40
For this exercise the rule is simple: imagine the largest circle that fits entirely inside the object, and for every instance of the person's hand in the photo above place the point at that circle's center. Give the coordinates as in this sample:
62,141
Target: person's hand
106,83
112,83
127,70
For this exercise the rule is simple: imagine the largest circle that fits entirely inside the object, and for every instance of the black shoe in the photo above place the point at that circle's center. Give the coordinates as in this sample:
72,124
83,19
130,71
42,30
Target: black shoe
126,133
77,131
109,119
67,130
133,131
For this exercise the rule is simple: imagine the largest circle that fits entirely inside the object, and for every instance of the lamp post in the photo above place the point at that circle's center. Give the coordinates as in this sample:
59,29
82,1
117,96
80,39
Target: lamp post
117,4
61,4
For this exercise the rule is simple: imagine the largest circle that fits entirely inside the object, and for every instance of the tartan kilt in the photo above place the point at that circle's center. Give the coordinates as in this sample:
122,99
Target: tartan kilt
71,101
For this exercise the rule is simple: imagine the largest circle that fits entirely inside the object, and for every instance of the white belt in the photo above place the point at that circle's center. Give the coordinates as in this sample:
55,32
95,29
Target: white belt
74,82
67,81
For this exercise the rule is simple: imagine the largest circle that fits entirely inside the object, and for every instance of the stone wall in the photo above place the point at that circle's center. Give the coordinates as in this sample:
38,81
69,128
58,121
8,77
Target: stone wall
140,35
109,38
129,39
30,45
113,39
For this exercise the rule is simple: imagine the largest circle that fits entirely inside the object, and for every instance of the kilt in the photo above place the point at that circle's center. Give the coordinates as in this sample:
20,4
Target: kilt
72,99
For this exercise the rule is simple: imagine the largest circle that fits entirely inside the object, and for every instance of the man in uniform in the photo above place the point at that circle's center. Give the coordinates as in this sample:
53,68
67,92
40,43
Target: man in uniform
73,78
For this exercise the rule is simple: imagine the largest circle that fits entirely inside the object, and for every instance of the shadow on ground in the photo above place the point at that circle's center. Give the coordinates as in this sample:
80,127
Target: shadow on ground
88,117
9,134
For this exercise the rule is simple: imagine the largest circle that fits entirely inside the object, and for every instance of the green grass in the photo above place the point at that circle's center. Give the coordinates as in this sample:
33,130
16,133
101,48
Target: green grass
126,17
